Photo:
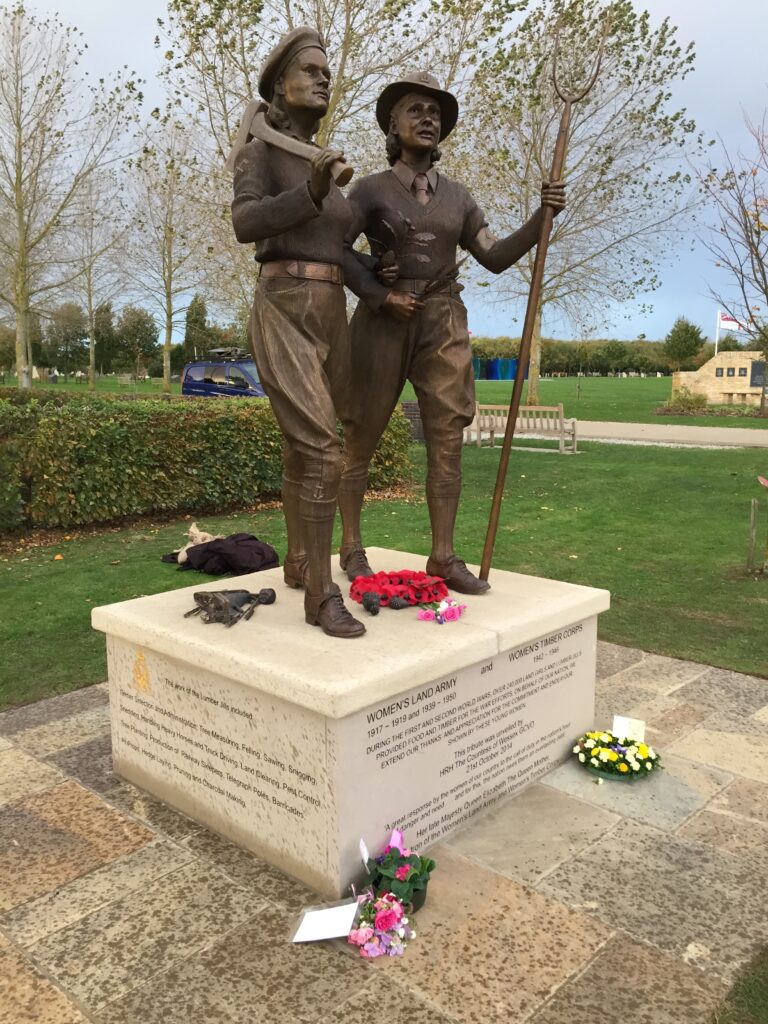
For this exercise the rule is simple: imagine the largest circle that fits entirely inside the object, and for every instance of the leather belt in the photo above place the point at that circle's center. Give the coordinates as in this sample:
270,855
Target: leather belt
417,285
330,272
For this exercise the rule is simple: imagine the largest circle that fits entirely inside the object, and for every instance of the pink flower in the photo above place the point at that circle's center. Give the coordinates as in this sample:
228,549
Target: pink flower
402,873
452,613
426,614
396,839
407,853
359,936
385,919
397,910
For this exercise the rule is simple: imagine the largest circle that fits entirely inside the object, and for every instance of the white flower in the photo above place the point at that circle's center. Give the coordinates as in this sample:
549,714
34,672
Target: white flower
604,755
632,750
576,749
582,758
594,762
589,744
606,737
401,932
649,766
599,782
651,752
635,767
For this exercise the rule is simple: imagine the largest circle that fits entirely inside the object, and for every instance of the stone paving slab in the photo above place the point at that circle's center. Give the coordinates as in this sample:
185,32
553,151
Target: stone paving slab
56,836
39,918
51,737
665,800
250,871
490,949
383,1000
658,674
611,658
744,755
253,975
744,797
529,834
719,689
629,980
22,775
90,763
121,946
692,900
26,997
156,814
31,716
730,832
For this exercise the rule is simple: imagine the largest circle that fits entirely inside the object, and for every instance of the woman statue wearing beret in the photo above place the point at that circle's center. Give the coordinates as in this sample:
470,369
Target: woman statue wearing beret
298,218
415,327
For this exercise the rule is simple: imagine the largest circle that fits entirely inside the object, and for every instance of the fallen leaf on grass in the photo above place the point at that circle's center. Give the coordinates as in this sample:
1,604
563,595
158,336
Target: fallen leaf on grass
573,556
116,562
56,558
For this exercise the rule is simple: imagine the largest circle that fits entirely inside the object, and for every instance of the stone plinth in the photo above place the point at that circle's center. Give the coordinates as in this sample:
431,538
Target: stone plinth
296,745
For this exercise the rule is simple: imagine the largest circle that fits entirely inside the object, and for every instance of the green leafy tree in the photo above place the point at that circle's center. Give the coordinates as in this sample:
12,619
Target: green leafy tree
683,342
137,336
197,337
627,164
615,355
729,343
105,336
65,335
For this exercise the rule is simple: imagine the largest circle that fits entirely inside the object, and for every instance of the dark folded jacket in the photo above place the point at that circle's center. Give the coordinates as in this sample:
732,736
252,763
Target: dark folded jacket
238,554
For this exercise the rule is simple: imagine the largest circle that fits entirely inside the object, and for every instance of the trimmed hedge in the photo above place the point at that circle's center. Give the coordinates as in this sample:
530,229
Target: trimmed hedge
94,460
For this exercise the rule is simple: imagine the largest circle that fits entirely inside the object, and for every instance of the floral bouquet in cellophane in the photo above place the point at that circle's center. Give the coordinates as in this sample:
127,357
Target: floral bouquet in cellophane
382,928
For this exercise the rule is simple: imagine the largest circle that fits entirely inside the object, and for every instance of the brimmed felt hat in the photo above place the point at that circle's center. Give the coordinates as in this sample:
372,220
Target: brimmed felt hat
418,81
278,59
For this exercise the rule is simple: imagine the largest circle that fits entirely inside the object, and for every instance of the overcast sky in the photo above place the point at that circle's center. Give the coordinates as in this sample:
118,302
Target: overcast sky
731,79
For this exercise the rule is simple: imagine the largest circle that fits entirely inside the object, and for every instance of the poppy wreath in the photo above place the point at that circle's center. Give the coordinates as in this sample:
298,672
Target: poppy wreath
413,587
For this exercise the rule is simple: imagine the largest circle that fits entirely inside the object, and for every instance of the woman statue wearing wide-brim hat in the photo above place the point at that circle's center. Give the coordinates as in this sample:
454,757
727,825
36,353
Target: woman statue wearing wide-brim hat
298,218
415,327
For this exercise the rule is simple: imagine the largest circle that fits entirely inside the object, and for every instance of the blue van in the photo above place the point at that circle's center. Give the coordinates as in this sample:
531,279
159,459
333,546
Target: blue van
222,375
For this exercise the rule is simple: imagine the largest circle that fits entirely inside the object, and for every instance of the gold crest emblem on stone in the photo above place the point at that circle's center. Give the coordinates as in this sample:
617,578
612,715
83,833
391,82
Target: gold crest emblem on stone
141,673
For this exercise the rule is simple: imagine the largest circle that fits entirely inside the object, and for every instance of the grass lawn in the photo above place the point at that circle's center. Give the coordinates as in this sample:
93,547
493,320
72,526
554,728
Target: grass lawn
104,386
616,399
747,1002
663,529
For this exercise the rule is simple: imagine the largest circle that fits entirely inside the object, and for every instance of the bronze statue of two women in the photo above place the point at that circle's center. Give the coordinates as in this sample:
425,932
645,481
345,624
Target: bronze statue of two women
410,322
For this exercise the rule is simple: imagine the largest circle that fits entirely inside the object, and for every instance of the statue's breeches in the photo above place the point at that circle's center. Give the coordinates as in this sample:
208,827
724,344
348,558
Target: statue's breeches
300,342
431,350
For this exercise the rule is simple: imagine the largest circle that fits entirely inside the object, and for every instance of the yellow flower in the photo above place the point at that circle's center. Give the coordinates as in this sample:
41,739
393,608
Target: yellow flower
623,768
642,750
613,755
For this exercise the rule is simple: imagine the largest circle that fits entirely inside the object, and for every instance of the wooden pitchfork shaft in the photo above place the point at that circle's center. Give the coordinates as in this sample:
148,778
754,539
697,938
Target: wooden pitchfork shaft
534,296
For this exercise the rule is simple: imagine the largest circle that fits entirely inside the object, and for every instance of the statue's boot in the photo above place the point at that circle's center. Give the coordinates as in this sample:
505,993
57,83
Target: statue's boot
323,603
443,561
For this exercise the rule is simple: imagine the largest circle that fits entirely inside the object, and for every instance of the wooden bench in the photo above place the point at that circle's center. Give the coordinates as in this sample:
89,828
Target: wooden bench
125,380
545,421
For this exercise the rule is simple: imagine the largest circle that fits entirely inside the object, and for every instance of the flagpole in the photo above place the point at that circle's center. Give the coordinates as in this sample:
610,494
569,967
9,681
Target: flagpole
717,332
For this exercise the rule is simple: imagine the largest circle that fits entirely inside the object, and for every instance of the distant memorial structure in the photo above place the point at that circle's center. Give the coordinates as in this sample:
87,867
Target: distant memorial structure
729,378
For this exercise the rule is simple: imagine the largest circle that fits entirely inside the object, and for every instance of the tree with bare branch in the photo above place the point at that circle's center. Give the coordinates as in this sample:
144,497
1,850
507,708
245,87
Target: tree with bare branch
738,242
626,172
55,133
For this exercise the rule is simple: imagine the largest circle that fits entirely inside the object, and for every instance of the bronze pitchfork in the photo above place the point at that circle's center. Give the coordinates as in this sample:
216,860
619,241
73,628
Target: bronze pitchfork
534,295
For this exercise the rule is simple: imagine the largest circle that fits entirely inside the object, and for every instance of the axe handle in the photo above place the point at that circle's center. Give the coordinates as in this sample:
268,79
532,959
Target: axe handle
254,125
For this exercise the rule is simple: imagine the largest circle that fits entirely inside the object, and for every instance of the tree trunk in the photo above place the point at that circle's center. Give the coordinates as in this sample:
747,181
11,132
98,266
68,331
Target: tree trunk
534,368
23,369
167,354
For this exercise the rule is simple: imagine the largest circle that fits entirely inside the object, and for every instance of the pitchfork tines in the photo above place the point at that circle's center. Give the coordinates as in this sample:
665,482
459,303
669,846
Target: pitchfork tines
574,97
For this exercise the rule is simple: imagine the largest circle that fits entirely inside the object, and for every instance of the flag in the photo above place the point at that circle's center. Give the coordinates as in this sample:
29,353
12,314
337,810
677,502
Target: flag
730,323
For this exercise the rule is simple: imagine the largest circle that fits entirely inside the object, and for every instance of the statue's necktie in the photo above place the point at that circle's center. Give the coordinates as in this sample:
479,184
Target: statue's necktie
421,188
